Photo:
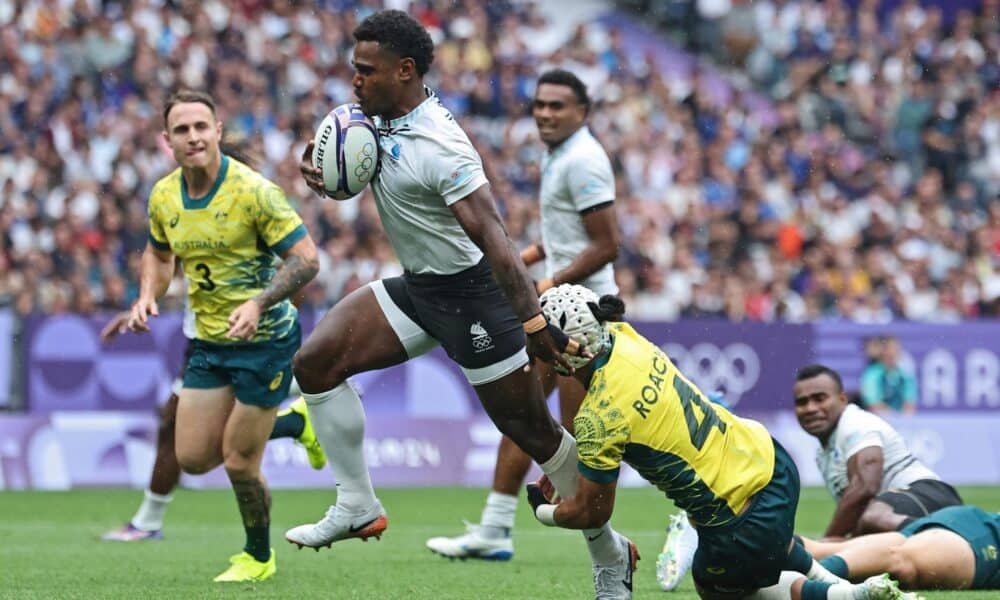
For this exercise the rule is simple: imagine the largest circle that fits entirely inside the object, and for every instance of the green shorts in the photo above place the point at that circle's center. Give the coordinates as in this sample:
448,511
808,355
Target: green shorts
260,372
749,552
979,528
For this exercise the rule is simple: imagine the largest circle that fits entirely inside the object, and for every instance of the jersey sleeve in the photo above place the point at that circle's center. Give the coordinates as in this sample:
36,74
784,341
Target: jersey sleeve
591,180
452,168
157,233
278,225
858,435
600,443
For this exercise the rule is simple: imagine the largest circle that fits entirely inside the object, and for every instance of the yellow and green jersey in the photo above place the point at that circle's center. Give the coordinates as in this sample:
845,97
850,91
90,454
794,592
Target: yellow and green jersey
230,241
641,410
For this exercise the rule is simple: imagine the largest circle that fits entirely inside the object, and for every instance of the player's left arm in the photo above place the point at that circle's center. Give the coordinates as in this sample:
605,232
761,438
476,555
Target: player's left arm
590,508
601,226
864,475
478,216
282,230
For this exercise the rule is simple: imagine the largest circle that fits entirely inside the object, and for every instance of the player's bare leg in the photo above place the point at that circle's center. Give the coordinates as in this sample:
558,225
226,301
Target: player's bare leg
147,523
491,539
353,337
933,558
528,423
201,421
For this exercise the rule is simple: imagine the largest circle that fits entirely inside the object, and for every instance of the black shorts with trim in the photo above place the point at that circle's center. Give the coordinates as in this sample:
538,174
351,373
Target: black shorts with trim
466,312
920,498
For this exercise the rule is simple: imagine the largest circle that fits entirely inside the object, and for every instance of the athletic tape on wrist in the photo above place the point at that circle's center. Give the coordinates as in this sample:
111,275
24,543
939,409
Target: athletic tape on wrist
546,514
535,324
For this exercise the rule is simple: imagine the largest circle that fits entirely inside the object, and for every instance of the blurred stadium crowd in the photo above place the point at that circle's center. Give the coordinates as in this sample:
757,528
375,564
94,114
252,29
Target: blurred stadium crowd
871,195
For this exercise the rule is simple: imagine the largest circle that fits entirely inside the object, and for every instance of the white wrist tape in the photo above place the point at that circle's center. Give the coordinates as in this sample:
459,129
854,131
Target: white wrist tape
546,514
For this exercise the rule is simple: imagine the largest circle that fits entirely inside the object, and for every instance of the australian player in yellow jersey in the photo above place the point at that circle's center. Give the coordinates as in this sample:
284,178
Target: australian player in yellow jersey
739,486
228,224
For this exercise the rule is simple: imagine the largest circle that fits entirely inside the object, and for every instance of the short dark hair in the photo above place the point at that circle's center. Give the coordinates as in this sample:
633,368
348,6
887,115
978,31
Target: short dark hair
815,370
401,34
568,79
184,96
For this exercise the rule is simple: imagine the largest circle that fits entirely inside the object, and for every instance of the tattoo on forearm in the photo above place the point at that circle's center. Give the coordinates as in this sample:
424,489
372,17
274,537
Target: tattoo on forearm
254,500
294,273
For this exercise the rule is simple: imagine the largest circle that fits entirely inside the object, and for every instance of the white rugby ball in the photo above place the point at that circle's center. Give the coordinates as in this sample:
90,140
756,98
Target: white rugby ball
346,150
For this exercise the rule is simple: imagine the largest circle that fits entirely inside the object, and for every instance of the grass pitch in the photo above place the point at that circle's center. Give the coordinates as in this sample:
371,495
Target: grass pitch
49,548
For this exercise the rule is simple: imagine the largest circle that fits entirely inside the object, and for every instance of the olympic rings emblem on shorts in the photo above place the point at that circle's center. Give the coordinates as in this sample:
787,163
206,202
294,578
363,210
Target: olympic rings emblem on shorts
732,370
482,342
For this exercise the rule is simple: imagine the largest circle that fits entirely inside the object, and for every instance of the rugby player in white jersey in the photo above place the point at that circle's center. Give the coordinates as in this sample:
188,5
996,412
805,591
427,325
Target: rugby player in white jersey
437,210
579,244
878,484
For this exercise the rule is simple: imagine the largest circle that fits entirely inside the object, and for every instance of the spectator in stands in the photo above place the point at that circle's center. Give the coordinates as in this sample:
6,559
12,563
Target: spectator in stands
885,385
874,140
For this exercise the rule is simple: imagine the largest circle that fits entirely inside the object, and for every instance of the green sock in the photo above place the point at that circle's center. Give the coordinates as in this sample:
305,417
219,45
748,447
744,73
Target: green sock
835,565
815,590
258,543
290,425
799,560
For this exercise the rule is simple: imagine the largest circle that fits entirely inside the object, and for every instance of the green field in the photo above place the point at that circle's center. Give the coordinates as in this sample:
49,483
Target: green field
49,548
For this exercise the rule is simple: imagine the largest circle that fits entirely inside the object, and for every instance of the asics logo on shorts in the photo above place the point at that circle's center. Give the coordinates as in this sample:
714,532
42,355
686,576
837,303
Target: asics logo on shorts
276,381
481,340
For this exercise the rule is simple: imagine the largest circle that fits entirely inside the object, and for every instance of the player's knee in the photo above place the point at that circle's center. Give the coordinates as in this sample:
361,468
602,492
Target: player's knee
316,370
240,463
196,463
902,567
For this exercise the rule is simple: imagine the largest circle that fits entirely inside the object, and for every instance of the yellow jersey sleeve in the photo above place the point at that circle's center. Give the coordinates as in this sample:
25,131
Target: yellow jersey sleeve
279,226
601,435
156,210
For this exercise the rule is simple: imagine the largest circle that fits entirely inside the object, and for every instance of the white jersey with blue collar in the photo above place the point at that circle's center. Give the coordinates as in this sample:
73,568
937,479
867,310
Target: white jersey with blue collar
427,164
576,175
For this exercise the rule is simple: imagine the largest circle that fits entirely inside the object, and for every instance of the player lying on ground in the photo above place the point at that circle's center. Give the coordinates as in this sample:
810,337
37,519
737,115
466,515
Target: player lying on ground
738,486
879,485
955,548
147,523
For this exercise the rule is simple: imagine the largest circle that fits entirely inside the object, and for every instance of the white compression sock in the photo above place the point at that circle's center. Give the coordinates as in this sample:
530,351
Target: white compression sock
561,469
339,421
818,572
149,517
498,515
783,589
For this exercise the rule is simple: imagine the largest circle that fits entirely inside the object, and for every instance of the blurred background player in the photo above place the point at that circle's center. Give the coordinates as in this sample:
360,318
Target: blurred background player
877,483
955,548
464,287
738,486
579,244
885,385
147,523
229,225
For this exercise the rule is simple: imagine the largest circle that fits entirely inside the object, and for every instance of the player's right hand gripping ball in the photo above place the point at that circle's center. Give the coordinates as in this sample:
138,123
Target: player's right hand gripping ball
346,150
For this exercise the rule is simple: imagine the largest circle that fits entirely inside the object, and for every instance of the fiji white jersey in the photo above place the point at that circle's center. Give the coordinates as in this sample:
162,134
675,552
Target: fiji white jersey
576,175
858,429
427,164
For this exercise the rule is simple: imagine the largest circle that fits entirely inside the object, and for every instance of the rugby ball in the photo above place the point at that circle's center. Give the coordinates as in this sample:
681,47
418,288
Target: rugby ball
346,150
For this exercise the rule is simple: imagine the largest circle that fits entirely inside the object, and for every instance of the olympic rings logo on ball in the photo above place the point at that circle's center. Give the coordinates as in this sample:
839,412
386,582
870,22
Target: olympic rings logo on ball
365,161
733,370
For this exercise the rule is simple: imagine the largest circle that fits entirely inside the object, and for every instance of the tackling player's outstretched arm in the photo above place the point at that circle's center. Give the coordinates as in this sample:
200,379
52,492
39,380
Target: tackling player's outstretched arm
864,475
589,508
156,271
602,231
478,216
